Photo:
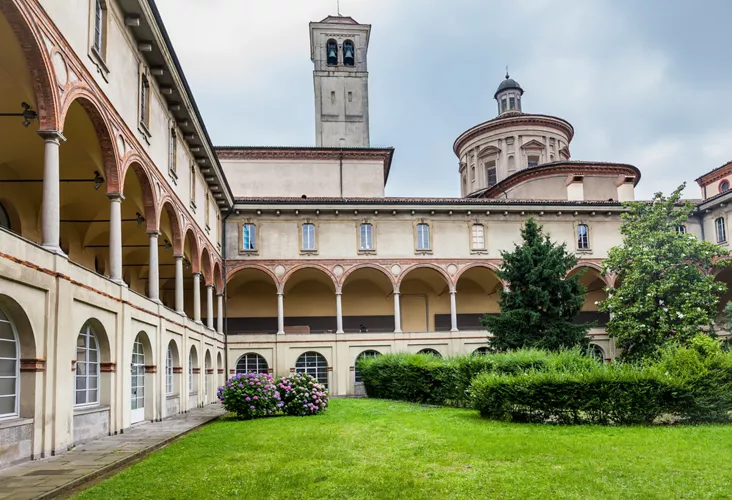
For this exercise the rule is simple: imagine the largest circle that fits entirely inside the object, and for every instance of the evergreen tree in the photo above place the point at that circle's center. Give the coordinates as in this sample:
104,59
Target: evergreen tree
665,291
538,308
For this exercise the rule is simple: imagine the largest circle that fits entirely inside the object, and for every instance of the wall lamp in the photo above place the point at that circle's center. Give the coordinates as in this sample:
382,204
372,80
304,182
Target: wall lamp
98,180
28,114
140,219
167,246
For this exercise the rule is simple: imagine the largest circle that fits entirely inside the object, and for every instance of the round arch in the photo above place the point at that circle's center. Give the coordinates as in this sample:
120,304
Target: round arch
314,364
311,269
477,288
107,142
430,352
481,265
251,300
310,300
234,270
425,299
206,266
191,242
218,278
367,296
167,207
252,362
149,201
426,265
359,267
23,26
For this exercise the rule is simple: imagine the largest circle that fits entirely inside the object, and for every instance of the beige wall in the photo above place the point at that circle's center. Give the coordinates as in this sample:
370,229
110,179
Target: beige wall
313,178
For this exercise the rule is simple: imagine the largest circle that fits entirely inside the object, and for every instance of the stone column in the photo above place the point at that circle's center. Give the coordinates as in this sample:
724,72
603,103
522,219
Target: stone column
220,315
453,311
339,313
209,307
179,284
115,237
51,216
197,298
280,313
397,314
154,274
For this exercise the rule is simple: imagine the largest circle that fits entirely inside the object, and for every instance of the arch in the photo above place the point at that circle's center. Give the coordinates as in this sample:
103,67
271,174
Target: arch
366,265
482,351
349,53
588,265
219,361
251,300
426,265
21,324
310,301
251,362
487,265
315,364
306,268
26,31
331,52
234,270
9,218
172,361
218,278
167,206
88,101
148,192
144,339
87,376
430,352
597,352
368,301
105,353
206,266
10,391
192,366
369,353
190,238
208,378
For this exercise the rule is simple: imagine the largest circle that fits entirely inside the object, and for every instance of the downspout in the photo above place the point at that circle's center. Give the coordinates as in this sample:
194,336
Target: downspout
226,302
341,171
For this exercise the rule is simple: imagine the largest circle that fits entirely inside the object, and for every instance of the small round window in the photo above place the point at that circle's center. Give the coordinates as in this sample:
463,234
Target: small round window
724,186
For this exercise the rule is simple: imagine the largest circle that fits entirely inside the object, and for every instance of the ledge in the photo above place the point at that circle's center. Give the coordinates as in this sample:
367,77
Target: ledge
172,396
15,422
85,410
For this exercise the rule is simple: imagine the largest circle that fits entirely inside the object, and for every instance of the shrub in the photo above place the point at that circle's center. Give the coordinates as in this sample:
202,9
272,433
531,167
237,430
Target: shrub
250,395
302,395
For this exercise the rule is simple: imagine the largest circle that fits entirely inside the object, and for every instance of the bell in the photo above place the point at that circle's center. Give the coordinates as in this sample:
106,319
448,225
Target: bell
348,57
332,54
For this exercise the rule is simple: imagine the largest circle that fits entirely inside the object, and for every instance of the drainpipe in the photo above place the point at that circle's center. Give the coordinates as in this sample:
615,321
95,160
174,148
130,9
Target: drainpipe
226,302
341,171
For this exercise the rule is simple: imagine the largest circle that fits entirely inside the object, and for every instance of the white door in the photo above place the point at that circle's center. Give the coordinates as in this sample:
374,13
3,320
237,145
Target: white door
138,382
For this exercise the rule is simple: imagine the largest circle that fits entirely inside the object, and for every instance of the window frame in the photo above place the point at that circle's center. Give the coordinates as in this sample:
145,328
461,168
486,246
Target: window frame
317,368
173,153
681,229
722,184
16,376
353,51
577,237
87,331
169,377
327,57
368,353
255,249
192,386
192,187
360,228
529,161
490,166
258,360
98,51
144,97
301,230
717,222
473,226
417,248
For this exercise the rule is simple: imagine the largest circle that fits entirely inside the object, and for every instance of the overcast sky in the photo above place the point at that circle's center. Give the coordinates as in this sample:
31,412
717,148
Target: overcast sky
645,82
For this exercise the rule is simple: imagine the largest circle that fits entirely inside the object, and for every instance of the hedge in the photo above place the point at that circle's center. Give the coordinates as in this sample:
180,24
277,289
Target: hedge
423,378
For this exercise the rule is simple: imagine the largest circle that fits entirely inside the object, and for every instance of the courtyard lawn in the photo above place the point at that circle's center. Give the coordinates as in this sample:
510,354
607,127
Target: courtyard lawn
382,449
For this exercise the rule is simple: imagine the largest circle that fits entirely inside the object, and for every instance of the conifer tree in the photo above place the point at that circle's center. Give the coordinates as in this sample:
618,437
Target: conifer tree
541,302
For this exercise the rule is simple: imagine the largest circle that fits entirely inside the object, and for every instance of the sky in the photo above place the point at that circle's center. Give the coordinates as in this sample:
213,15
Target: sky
642,82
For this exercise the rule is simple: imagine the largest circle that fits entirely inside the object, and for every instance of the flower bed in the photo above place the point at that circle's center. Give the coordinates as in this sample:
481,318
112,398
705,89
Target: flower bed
250,395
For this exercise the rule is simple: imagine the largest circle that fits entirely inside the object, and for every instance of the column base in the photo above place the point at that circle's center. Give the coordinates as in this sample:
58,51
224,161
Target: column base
454,331
198,322
398,331
281,332
120,282
182,313
340,331
55,249
157,301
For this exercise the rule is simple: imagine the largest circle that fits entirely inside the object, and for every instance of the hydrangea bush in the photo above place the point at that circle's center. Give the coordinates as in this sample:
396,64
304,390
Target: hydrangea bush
302,395
250,395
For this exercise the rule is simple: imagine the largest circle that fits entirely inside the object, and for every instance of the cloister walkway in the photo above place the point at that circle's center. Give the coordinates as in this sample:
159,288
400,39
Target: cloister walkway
55,476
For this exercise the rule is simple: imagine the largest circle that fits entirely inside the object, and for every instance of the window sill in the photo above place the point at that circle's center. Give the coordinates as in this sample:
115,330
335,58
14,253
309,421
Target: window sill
99,62
367,252
15,422
171,396
584,251
423,252
479,251
173,176
308,252
208,229
192,206
85,410
142,127
249,252
193,393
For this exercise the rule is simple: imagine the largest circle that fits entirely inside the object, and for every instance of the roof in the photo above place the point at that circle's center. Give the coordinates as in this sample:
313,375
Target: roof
510,119
508,83
294,153
715,174
339,20
415,201
559,168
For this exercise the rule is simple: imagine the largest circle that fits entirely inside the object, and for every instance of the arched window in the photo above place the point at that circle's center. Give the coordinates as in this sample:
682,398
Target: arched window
314,364
724,186
332,53
363,355
192,361
681,229
349,56
252,362
583,237
481,351
9,368
4,218
721,230
430,352
169,371
597,353
87,367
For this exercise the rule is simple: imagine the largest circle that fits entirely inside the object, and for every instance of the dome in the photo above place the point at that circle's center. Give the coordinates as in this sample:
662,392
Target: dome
508,83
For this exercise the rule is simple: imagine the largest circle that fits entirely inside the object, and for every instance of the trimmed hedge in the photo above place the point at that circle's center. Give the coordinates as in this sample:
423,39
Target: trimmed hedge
423,378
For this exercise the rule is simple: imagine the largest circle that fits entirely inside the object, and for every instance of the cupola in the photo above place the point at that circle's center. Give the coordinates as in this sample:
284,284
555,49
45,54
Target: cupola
508,96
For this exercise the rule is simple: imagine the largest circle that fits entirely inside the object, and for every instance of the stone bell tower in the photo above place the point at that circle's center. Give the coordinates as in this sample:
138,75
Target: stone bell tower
338,49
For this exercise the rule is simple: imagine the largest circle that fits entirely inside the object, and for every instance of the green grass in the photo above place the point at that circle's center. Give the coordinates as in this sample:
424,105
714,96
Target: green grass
363,449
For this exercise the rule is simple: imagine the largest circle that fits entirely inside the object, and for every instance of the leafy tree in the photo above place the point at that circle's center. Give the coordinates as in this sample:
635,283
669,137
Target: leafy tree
540,303
666,292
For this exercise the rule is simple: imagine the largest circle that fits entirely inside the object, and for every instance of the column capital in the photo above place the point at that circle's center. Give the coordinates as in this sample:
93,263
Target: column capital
220,294
196,274
210,286
339,292
52,136
453,292
114,197
179,256
154,232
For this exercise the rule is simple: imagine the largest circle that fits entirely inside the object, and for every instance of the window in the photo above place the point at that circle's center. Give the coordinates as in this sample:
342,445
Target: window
169,371
721,231
308,236
724,186
349,57
87,367
430,352
423,236
144,101
4,217
192,359
512,102
332,53
248,237
481,351
503,105
367,237
681,229
172,151
490,173
511,164
192,186
207,210
252,363
533,161
100,21
597,353
465,184
472,173
363,355
313,364
9,368
478,237
583,237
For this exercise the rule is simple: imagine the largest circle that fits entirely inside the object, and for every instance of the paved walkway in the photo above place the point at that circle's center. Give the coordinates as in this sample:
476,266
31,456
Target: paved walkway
54,476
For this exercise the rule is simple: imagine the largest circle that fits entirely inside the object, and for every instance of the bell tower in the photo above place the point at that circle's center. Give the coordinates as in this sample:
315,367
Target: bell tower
338,48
